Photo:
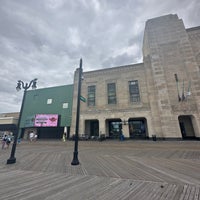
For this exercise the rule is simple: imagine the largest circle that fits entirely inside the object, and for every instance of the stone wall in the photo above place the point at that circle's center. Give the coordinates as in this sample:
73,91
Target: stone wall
168,50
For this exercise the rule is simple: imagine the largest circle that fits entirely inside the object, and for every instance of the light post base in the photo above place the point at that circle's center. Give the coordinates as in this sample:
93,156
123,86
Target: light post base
11,160
75,160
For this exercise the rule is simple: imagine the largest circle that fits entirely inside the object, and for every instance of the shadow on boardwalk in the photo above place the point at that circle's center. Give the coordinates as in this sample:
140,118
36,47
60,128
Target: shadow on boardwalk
108,170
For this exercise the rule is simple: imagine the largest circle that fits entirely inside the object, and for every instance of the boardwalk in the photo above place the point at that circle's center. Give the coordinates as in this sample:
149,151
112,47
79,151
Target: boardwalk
108,170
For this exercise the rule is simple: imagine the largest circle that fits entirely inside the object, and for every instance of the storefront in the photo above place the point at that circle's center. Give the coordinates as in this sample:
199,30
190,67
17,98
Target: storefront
45,126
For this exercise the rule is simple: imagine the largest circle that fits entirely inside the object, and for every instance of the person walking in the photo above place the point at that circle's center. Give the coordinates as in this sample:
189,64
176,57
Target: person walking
31,136
35,137
121,136
8,141
19,140
64,137
4,141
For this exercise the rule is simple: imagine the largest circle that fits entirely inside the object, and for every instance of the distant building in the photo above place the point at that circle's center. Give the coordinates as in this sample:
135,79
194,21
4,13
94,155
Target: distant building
8,123
160,96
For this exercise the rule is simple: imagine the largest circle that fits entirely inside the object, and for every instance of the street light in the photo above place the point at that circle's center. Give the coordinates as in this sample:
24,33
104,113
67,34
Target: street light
25,86
75,160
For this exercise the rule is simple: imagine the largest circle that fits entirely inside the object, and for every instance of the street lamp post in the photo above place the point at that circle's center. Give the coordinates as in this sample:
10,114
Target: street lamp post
75,160
25,86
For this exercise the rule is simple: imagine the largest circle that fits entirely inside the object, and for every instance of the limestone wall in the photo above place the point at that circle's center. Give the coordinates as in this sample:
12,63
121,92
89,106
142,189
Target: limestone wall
167,51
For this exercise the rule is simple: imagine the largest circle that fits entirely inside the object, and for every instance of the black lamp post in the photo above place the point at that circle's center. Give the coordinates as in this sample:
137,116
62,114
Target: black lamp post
75,160
25,86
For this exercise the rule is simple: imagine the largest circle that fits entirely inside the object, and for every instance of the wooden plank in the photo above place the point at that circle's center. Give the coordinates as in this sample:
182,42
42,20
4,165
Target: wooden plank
107,170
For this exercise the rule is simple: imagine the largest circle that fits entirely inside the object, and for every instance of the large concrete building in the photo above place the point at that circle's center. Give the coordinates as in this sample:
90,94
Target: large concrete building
160,96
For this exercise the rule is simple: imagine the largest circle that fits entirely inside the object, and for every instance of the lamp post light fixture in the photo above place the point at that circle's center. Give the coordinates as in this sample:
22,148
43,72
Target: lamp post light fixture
75,160
25,86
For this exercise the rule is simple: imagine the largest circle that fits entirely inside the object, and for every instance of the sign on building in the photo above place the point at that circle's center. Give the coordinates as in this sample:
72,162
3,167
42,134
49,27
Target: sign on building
46,120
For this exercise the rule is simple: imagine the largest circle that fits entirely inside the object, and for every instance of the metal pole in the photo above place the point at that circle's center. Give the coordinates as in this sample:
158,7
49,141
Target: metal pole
75,160
12,158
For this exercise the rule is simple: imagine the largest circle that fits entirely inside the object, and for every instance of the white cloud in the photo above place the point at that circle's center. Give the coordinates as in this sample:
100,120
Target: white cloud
46,39
54,4
74,37
97,5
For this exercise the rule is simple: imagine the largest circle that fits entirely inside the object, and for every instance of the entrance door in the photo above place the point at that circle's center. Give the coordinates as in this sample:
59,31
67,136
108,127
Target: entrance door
114,127
186,127
94,128
137,128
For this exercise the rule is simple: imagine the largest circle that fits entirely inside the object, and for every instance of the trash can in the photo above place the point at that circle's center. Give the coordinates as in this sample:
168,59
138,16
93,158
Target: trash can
102,137
154,137
121,137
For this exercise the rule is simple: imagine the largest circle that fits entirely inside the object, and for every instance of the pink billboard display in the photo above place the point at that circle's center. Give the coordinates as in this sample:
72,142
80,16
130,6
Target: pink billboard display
46,120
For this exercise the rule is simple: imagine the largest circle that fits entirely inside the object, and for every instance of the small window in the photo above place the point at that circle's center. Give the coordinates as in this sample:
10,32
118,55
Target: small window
134,91
49,101
91,95
111,88
65,105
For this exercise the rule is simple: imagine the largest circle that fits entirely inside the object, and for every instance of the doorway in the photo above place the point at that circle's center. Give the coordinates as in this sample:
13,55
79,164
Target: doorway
92,128
114,128
186,127
137,128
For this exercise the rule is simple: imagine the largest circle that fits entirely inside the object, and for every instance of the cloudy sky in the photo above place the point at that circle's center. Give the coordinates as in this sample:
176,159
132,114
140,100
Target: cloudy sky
45,39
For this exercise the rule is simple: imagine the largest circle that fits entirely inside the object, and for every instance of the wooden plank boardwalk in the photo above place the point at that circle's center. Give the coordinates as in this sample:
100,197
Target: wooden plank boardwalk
108,170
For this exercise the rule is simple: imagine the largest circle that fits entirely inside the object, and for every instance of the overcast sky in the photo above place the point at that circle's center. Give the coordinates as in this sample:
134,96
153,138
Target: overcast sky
45,39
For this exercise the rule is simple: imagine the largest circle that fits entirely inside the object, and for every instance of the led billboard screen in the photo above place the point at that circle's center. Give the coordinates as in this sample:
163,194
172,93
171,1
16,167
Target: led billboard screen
46,120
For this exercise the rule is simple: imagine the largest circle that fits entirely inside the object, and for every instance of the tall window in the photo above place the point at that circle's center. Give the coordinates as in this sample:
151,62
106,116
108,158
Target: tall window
111,88
134,91
91,95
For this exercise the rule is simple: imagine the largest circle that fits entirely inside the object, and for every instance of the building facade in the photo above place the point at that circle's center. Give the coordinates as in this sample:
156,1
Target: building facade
47,112
160,96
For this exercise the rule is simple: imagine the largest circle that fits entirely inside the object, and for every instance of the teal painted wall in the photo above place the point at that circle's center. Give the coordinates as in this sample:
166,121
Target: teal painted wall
36,103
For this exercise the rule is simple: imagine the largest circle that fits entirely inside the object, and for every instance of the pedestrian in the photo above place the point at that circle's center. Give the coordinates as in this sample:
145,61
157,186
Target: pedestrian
4,141
35,137
31,136
8,141
64,137
121,136
19,140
